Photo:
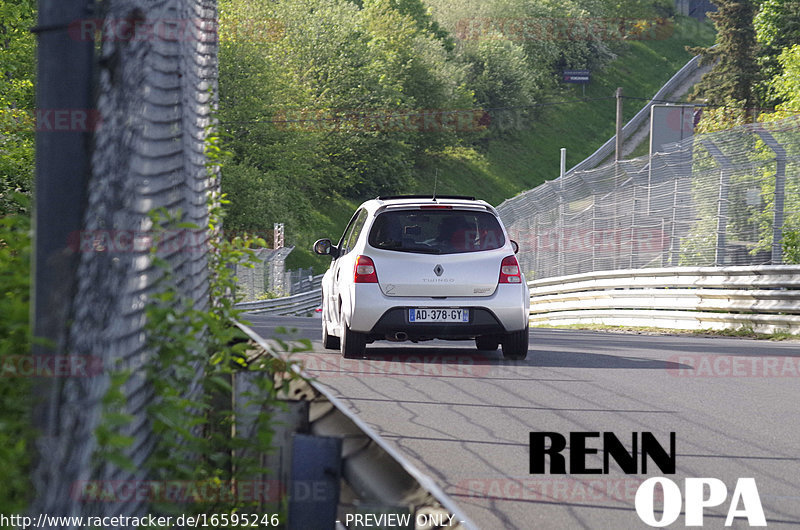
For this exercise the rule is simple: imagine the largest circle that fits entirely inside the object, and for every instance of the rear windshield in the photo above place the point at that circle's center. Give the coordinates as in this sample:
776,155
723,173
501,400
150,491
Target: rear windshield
436,231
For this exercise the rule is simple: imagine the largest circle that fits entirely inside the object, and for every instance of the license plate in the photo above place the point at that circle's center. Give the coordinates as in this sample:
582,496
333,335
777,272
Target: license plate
429,314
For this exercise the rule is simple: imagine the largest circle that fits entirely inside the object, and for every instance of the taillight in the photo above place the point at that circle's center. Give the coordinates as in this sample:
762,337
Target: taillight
365,270
509,270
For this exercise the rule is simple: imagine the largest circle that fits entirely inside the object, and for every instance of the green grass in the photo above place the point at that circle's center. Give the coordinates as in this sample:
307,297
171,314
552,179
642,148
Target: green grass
328,220
523,160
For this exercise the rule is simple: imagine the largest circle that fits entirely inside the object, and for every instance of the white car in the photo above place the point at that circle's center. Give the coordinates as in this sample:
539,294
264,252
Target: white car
419,268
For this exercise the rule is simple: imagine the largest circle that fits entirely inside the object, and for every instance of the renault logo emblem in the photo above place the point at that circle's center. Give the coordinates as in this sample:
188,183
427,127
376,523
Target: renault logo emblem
438,270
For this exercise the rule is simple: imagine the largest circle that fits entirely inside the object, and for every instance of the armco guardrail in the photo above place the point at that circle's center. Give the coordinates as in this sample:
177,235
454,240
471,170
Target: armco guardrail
298,304
377,476
764,298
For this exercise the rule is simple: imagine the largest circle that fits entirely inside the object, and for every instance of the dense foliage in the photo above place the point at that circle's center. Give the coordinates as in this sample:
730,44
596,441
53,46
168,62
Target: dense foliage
200,358
331,99
777,27
754,62
734,73
15,388
17,68
756,66
17,71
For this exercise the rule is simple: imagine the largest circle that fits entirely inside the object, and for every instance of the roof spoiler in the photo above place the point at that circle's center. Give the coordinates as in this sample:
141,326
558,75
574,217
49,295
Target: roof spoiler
432,197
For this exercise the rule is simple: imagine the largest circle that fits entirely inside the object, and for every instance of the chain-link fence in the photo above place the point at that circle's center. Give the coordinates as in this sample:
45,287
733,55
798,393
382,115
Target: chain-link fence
266,275
155,102
725,198
300,280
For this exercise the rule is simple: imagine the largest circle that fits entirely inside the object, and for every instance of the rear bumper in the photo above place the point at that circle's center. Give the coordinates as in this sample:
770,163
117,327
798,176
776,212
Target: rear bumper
379,315
481,322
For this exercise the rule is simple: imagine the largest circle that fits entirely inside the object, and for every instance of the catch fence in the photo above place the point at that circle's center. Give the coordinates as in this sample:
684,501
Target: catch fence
155,103
726,198
266,276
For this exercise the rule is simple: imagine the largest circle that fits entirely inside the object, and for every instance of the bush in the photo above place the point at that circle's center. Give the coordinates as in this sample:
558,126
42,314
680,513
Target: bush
15,342
791,247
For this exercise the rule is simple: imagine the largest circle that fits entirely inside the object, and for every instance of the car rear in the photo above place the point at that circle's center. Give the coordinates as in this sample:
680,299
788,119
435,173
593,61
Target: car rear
444,269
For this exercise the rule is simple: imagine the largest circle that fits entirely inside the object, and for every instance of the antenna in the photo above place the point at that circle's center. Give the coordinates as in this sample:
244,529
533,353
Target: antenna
435,181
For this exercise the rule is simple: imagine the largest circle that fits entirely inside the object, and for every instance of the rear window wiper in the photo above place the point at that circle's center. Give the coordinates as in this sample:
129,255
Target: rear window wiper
413,249
426,250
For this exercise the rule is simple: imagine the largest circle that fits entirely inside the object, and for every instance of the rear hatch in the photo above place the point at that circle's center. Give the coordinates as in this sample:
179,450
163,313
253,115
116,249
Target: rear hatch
437,253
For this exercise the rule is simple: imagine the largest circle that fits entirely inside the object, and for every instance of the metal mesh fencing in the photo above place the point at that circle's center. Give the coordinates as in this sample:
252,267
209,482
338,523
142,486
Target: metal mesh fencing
300,280
716,199
265,276
155,99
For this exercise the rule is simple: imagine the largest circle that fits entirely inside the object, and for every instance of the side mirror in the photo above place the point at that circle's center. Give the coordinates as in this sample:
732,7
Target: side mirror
515,246
324,247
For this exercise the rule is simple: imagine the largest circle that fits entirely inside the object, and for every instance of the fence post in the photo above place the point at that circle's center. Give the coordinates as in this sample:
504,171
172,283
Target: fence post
780,185
537,267
561,232
673,246
618,135
65,71
722,201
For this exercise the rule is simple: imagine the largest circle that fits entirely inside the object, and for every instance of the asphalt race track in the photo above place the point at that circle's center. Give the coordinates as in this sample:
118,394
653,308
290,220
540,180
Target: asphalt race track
465,418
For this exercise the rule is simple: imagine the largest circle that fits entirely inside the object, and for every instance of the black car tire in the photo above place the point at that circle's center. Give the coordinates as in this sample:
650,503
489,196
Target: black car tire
353,344
515,345
486,343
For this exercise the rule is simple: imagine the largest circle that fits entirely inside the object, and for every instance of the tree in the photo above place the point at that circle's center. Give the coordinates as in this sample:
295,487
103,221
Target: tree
17,72
326,103
786,85
422,17
499,73
777,26
735,71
